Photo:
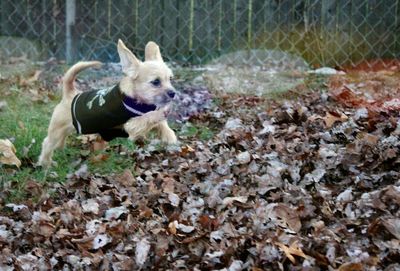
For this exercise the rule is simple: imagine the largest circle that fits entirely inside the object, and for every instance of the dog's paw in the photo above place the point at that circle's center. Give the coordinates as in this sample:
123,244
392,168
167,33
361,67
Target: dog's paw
169,137
46,163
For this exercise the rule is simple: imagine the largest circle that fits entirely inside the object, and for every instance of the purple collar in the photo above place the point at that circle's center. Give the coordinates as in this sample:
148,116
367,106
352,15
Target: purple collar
137,108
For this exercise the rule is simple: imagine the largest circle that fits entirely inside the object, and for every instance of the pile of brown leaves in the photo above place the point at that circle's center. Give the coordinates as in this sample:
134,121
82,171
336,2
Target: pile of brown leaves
307,184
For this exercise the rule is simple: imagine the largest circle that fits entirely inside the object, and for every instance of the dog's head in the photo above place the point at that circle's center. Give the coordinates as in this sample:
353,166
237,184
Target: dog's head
149,81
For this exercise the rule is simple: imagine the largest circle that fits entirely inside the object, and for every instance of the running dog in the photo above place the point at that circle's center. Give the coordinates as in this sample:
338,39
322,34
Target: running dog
137,104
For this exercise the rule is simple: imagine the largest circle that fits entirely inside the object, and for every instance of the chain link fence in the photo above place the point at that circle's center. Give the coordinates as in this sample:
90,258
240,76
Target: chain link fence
323,32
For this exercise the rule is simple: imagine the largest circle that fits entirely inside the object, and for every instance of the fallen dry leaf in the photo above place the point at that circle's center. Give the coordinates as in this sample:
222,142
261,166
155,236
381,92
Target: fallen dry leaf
32,79
284,216
186,150
86,139
351,267
173,199
142,251
98,144
90,206
126,179
85,243
99,158
208,223
393,226
115,213
332,117
7,153
172,227
181,227
294,249
46,229
230,200
100,241
33,188
244,157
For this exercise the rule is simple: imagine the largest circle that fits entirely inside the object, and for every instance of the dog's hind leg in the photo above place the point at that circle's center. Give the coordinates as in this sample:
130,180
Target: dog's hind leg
54,140
48,146
60,127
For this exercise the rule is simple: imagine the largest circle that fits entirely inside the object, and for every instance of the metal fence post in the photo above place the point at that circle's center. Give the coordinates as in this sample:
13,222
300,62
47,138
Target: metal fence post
70,10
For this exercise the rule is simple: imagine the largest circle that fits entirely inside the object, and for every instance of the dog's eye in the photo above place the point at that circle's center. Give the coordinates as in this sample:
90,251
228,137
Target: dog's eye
156,82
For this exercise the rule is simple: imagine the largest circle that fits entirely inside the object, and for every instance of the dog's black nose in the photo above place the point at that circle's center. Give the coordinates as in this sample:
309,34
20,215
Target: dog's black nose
171,93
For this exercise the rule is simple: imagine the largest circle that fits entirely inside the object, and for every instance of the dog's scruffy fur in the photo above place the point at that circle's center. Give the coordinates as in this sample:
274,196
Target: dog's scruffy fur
136,84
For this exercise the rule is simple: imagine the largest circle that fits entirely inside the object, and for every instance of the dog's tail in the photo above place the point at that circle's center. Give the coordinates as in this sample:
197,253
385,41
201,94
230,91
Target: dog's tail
69,77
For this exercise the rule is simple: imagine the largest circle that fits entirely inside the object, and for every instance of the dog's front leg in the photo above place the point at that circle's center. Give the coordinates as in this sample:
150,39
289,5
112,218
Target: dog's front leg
139,126
166,133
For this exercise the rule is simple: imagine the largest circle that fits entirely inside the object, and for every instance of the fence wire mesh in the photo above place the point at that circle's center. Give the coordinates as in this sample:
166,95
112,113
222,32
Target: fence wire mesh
323,32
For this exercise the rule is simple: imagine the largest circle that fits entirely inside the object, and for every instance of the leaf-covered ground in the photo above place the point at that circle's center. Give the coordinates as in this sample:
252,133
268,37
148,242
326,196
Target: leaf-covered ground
309,182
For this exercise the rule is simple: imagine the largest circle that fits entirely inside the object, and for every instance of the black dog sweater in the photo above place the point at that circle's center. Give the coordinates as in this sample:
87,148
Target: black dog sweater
102,111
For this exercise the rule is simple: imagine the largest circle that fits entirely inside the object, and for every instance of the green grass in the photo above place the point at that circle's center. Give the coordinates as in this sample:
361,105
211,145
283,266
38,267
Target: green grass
190,130
22,121
115,161
25,123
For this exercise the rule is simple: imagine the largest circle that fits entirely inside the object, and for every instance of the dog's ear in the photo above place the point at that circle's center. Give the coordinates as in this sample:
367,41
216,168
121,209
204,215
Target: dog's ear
130,64
152,52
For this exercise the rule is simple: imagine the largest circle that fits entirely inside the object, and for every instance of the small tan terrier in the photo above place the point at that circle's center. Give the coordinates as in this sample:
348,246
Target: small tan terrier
136,105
